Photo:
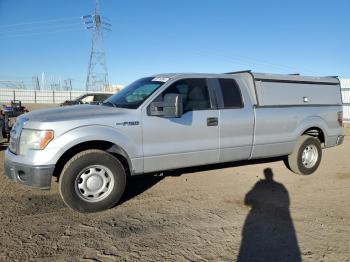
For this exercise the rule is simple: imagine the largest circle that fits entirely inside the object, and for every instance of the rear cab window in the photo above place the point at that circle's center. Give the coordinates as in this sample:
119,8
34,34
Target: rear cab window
231,93
101,97
87,99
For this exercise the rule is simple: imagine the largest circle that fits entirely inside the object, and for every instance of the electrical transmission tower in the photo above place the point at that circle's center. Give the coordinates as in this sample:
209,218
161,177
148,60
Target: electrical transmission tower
97,77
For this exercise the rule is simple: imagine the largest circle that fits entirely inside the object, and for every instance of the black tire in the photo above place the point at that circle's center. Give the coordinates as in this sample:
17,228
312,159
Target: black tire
68,186
295,160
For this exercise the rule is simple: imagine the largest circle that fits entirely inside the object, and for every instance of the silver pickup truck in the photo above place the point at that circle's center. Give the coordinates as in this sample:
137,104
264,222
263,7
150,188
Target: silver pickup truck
172,121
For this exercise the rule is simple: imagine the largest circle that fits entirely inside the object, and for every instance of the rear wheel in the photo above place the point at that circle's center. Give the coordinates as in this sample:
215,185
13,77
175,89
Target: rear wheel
93,180
306,156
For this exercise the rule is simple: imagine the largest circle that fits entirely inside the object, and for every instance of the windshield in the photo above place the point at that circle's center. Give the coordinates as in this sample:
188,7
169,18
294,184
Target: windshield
133,95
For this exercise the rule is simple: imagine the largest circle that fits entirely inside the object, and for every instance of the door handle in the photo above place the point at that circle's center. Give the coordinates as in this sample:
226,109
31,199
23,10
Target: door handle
212,121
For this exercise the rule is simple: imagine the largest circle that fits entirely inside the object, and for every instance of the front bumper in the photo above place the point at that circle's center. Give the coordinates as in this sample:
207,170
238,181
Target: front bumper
34,176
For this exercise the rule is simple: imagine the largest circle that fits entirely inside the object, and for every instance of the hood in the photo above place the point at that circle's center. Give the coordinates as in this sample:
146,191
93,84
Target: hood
78,112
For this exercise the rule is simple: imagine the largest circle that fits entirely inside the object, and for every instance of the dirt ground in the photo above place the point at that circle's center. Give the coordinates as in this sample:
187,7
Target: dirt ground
235,212
32,107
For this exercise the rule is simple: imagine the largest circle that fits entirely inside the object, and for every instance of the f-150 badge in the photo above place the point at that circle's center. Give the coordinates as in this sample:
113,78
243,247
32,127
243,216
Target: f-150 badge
127,123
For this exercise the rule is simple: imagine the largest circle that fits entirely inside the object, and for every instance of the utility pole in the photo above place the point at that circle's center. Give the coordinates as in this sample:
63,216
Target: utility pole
36,83
69,81
43,84
67,84
97,76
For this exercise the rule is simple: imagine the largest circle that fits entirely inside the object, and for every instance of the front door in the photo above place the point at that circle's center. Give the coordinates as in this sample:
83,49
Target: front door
192,139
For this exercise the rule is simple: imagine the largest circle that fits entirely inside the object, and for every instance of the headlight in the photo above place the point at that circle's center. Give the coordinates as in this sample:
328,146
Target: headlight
34,140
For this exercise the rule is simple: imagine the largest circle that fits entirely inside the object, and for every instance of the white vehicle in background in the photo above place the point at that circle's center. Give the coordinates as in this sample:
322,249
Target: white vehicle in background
89,98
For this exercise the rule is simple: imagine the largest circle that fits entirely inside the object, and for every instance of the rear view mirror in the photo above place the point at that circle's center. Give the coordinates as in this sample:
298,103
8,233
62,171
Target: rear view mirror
170,107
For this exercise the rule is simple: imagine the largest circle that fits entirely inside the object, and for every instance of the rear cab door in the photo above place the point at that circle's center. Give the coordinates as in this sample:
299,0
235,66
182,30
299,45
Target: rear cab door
236,118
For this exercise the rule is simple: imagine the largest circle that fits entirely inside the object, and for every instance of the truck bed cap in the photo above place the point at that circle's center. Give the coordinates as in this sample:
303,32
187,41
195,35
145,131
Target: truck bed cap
289,78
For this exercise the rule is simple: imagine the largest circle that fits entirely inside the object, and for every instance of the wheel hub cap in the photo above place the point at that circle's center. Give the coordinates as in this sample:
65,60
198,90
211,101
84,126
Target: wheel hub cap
309,156
94,183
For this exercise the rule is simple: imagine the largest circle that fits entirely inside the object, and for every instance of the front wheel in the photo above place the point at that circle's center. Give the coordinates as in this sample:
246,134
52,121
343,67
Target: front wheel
306,156
93,180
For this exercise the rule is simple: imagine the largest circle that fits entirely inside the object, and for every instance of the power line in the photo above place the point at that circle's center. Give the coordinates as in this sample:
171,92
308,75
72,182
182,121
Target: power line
40,22
42,33
45,27
250,62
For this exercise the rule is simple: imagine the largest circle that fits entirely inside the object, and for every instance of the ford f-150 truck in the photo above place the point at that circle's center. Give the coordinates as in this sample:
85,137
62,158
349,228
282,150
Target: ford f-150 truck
171,121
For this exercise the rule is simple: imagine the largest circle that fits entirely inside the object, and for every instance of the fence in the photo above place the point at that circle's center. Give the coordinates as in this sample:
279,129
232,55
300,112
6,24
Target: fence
39,97
345,84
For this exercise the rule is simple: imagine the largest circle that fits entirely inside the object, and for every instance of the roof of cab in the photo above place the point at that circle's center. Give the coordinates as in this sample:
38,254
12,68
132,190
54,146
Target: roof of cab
172,75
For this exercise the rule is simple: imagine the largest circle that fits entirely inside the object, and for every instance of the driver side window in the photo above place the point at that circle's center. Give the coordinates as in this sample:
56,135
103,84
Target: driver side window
194,92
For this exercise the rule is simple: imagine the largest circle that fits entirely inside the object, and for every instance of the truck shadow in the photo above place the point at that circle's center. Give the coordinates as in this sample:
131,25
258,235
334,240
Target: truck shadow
268,233
179,172
137,185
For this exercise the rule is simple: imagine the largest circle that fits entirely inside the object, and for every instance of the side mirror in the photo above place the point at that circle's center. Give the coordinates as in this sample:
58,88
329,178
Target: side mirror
170,107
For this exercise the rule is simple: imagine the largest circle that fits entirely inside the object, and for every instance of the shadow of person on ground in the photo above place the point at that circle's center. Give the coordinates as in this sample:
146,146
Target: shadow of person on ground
268,232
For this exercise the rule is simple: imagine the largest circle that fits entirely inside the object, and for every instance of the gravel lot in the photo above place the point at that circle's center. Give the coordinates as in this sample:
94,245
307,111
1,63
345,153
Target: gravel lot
217,213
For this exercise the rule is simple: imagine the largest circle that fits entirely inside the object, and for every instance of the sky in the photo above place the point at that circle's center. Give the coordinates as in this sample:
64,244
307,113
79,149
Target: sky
158,36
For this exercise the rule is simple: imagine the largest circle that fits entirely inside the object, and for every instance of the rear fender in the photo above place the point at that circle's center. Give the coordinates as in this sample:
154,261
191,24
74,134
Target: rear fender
310,122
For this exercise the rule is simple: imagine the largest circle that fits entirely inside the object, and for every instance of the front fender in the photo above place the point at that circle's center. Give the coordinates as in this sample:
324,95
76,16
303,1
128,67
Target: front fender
128,142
